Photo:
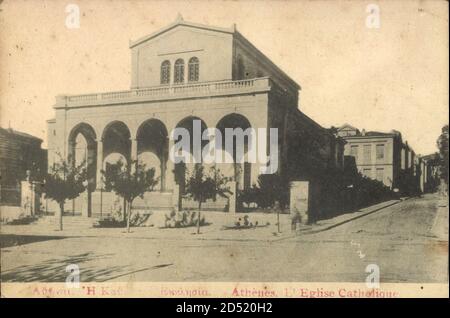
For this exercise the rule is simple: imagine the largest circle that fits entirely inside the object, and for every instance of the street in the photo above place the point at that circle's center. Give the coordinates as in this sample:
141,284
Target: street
407,241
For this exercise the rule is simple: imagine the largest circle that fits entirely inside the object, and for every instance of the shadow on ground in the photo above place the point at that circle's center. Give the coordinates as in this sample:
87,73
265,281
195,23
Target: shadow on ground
8,240
54,270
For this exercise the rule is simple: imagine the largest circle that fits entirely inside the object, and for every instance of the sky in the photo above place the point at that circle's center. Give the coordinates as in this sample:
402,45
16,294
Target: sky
391,77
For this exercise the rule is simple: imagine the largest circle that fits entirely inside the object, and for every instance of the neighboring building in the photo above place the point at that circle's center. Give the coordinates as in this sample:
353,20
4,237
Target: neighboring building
383,156
181,73
430,172
19,152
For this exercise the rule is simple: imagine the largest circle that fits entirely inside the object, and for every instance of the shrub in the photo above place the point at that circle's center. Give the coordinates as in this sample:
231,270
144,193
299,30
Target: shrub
270,191
244,223
367,191
180,219
248,196
139,219
23,220
117,220
110,222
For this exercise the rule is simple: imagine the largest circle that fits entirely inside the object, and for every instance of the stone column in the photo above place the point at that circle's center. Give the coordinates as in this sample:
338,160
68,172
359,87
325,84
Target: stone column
99,184
170,167
232,198
134,150
176,197
164,162
84,204
134,154
26,197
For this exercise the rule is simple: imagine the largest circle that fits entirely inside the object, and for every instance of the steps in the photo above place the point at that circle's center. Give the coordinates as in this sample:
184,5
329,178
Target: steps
69,222
210,205
107,202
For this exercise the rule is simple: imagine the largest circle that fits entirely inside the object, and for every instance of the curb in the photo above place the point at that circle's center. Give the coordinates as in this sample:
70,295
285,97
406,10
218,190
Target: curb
354,218
329,227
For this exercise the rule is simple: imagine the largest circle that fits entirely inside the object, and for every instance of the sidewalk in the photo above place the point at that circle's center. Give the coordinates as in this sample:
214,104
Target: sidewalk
214,231
440,225
324,225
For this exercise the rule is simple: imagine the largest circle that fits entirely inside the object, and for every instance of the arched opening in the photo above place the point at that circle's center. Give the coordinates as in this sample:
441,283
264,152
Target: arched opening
116,144
152,147
195,128
240,169
83,150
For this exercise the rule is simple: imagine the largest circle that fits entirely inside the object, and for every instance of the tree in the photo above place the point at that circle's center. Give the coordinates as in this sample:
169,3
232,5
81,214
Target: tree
202,186
129,182
442,144
65,181
273,188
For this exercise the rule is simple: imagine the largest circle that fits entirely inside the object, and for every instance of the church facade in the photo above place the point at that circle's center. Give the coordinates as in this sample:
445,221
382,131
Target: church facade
183,73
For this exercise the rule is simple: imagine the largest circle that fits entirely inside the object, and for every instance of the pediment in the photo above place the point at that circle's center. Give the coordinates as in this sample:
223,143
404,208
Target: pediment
180,24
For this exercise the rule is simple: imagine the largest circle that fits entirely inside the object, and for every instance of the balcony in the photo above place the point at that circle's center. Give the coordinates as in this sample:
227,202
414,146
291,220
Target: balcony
159,93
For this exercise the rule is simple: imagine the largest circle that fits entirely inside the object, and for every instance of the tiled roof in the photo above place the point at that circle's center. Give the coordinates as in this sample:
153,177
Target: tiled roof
430,156
19,133
377,133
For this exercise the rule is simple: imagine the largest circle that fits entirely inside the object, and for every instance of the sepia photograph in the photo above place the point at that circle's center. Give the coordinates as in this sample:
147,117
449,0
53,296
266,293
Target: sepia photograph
224,149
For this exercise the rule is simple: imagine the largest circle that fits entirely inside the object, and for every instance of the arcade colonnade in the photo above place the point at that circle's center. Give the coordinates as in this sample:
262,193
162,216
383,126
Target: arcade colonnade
147,143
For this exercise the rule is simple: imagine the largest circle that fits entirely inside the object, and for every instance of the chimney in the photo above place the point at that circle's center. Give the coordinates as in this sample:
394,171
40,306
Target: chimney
179,18
363,132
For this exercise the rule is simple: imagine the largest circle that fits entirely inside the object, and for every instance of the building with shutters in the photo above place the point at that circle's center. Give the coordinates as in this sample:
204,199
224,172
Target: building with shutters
385,157
19,152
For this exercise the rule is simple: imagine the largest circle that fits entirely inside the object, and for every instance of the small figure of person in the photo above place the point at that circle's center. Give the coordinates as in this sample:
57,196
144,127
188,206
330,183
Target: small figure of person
246,221
296,218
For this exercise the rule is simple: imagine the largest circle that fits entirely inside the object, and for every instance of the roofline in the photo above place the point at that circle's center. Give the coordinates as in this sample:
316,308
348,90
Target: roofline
230,30
347,125
373,136
316,125
21,134
239,36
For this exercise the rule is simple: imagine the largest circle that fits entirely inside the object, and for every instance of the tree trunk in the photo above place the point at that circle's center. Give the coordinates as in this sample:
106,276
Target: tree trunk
60,216
278,220
129,216
124,209
199,215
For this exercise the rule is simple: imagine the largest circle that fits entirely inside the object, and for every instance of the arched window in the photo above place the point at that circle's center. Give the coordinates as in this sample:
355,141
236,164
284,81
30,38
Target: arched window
165,72
179,71
193,69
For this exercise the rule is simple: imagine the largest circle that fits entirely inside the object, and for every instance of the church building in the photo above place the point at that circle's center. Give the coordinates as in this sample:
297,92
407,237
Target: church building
183,73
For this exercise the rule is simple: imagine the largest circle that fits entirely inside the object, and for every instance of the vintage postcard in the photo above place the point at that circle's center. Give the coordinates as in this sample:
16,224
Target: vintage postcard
224,149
